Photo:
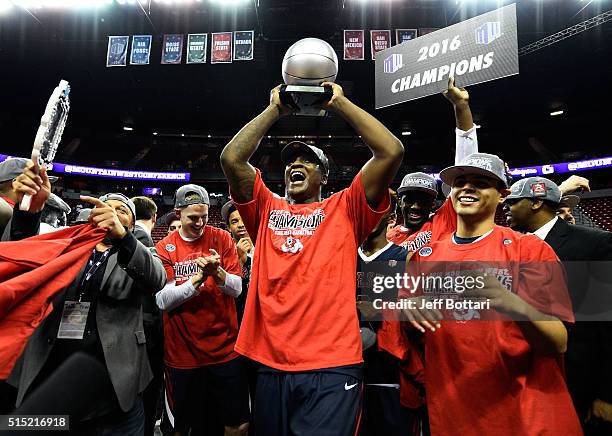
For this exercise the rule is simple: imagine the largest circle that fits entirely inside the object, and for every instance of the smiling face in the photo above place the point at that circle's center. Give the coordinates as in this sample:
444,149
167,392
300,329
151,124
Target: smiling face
416,207
123,213
303,179
475,197
193,219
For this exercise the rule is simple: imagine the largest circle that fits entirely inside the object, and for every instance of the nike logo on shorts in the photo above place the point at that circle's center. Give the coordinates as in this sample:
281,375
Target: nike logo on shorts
348,387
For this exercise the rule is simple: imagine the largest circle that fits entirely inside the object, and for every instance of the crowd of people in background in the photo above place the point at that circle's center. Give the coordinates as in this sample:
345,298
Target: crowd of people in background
268,326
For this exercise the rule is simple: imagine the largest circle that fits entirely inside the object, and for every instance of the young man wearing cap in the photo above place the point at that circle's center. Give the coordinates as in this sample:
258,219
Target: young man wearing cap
531,207
418,191
494,371
300,321
200,325
99,314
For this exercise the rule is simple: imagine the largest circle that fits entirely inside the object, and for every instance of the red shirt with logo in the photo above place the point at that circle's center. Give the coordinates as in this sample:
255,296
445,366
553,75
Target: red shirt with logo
482,376
300,311
202,330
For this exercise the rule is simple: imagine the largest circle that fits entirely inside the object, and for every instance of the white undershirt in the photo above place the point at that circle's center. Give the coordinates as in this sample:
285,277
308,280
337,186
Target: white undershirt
543,231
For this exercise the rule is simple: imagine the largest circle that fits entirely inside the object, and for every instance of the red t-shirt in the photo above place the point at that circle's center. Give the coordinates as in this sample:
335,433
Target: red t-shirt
300,311
443,222
202,330
399,235
392,337
483,377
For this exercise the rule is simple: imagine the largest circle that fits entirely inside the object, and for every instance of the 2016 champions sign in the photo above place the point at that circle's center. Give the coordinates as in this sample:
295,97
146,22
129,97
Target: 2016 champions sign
477,50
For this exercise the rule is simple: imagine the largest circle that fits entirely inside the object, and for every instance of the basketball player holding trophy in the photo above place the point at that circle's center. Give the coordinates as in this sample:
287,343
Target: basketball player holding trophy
300,321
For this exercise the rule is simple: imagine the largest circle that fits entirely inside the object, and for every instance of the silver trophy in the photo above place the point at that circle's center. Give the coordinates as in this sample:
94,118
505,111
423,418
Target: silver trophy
307,64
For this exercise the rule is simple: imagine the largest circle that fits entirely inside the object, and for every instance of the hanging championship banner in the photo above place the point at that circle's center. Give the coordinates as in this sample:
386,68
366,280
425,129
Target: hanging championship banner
243,45
403,35
353,45
425,30
221,48
172,49
380,40
116,55
141,49
196,48
473,51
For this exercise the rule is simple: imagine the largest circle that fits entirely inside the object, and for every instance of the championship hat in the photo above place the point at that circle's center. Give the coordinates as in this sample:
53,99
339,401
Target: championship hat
294,148
483,164
418,182
190,194
539,188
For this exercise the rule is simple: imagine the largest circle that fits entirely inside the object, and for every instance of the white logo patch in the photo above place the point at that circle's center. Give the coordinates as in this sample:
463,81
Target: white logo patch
348,387
425,251
292,245
170,248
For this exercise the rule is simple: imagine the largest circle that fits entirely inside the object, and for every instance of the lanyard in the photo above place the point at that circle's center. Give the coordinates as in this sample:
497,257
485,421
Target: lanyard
91,268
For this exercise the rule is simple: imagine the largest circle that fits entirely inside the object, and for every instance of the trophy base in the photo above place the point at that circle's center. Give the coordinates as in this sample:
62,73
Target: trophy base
305,100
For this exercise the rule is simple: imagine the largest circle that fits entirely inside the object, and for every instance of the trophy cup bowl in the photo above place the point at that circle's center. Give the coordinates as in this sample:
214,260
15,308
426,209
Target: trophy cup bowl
308,63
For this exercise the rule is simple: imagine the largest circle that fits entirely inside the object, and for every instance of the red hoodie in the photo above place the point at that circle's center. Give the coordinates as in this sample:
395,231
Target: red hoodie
32,272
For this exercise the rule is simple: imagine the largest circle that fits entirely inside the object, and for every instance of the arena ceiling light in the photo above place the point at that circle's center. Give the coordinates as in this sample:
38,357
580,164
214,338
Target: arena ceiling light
406,133
5,5
58,4
229,2
556,113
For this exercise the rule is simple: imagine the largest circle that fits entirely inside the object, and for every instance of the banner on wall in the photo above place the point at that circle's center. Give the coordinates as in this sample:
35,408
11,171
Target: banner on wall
426,30
243,45
354,49
196,48
221,48
172,49
116,54
380,40
141,49
403,35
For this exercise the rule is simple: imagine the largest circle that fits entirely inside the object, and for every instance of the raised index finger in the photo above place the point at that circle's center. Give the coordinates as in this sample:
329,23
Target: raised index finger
92,200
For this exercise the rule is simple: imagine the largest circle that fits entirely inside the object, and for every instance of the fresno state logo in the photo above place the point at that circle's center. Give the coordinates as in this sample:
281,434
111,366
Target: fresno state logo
170,248
292,245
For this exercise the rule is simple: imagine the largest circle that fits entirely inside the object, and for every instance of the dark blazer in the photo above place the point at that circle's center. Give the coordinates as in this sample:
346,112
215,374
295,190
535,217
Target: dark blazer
589,351
119,323
152,316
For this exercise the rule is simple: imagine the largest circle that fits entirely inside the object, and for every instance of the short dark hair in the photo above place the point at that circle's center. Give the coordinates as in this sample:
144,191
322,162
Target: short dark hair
230,210
145,208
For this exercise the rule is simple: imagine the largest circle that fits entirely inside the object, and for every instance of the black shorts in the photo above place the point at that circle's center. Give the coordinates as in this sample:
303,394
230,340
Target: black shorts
384,415
325,402
210,396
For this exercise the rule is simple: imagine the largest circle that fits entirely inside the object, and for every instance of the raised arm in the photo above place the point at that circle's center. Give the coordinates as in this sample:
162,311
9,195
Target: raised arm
387,150
466,142
235,156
